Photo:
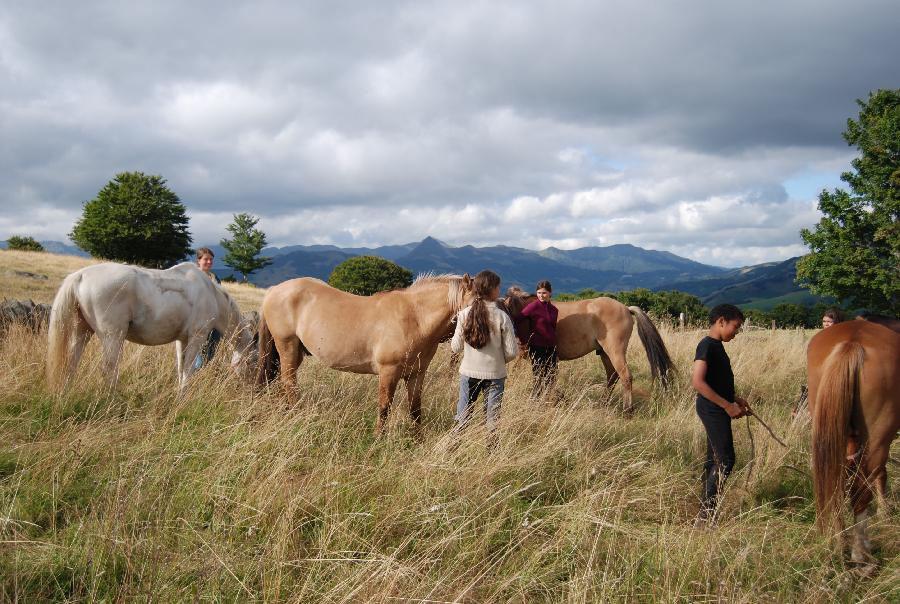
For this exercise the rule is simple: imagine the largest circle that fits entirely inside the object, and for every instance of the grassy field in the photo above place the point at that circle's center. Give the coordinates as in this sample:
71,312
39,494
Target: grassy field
230,495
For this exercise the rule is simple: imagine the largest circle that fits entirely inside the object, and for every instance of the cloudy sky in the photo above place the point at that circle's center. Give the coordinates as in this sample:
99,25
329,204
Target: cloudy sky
704,128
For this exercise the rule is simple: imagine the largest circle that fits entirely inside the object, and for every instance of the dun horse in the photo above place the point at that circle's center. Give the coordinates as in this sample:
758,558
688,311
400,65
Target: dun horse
854,402
392,334
603,325
151,307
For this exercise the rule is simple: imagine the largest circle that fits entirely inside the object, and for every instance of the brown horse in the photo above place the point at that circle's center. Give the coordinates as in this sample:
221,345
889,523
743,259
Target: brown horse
889,322
392,334
854,402
602,325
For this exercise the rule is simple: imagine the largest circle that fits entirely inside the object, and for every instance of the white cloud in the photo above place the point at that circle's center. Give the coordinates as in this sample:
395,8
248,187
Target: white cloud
480,123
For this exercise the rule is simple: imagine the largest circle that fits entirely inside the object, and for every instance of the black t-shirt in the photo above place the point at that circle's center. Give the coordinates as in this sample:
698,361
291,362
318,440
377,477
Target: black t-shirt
718,370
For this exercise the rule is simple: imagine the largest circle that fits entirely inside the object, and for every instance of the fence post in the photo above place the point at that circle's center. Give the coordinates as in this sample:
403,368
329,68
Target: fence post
773,324
681,321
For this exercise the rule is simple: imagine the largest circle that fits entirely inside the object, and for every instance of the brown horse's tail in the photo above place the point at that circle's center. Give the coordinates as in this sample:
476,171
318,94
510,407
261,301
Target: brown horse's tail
267,364
64,319
837,393
657,355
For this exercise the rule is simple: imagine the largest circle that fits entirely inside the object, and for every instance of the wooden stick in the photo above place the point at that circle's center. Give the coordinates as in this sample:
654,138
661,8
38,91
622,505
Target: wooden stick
766,426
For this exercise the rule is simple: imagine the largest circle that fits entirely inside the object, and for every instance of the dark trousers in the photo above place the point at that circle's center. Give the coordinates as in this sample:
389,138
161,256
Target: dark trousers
719,453
544,362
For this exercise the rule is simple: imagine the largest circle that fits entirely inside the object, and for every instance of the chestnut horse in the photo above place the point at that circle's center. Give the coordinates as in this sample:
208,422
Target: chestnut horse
392,334
854,403
601,325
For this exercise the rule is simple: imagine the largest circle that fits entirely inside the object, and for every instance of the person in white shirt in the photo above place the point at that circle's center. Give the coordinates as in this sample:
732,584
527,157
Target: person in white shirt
485,335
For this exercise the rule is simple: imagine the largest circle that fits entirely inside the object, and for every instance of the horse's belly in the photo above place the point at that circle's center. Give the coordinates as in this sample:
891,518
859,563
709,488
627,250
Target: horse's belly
152,337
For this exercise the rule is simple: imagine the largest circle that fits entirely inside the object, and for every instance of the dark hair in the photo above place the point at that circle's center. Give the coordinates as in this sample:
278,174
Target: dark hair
834,314
477,328
204,251
544,285
729,312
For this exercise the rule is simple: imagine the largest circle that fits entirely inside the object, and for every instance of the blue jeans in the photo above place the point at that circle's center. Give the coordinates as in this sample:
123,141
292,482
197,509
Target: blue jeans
208,350
469,389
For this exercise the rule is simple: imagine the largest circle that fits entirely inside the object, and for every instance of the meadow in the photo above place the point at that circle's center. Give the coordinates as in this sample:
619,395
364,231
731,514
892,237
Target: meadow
231,493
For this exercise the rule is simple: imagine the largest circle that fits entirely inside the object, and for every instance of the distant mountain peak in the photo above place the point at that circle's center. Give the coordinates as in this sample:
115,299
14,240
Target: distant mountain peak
431,246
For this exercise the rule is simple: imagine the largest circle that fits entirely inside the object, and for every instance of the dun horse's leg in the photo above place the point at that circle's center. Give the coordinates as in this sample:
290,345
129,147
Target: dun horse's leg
612,376
414,384
291,356
387,385
617,360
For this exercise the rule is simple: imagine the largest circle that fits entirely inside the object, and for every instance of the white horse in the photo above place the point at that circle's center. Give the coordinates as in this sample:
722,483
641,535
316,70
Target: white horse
120,302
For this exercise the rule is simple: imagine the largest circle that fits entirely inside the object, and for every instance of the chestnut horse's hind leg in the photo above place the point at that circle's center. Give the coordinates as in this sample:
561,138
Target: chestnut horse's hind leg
870,477
388,377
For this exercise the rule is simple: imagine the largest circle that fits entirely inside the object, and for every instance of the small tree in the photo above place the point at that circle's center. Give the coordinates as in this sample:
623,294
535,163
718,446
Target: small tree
855,248
672,303
24,244
242,250
137,219
366,275
788,314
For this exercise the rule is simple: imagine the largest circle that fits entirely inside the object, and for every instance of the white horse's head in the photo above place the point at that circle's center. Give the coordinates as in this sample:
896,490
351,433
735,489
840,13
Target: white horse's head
240,331
243,359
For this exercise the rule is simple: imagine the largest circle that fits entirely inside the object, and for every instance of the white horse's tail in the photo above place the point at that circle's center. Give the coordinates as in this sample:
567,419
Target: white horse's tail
64,318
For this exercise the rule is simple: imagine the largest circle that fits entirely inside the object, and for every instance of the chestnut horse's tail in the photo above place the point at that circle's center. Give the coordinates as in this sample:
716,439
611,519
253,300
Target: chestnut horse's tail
267,364
64,319
837,393
657,355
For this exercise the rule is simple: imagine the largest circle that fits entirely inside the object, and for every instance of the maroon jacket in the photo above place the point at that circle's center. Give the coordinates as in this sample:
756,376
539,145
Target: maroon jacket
542,317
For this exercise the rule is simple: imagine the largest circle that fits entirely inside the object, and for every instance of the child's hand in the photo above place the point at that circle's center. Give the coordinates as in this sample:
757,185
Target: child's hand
734,411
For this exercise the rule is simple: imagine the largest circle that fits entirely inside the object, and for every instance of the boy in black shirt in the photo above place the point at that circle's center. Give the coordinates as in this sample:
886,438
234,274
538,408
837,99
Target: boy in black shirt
717,404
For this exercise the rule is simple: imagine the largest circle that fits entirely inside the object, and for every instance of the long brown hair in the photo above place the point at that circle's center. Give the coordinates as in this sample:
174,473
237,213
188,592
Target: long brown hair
477,328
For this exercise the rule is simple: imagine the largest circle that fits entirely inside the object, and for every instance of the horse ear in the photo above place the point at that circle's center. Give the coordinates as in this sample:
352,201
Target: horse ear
467,281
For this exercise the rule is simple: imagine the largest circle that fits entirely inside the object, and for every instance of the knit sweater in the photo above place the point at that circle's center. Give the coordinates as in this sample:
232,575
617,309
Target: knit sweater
488,362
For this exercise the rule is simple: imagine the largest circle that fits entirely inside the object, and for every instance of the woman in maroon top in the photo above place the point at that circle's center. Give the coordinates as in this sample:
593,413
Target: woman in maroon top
542,316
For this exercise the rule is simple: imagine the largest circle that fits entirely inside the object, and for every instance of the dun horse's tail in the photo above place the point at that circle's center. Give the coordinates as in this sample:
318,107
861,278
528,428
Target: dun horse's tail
838,392
64,318
657,355
267,364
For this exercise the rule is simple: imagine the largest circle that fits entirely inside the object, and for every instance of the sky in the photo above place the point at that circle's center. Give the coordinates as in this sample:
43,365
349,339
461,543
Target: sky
703,128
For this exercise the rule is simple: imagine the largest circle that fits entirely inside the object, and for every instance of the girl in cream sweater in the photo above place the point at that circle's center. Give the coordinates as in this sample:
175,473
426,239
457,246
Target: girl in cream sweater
485,336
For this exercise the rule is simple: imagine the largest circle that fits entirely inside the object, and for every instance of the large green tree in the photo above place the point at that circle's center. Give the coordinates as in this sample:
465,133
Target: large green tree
242,250
137,219
366,275
855,247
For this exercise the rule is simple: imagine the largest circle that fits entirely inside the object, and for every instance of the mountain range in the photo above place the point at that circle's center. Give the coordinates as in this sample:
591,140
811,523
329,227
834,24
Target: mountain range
611,268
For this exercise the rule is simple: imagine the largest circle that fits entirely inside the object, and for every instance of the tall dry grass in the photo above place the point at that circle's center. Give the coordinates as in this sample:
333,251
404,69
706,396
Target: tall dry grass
231,494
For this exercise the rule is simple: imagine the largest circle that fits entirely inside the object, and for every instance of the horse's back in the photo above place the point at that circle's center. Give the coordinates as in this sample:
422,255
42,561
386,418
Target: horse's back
151,306
581,323
880,372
